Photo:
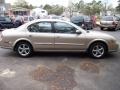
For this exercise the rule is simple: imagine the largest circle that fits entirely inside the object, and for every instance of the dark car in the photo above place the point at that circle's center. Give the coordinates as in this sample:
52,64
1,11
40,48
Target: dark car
6,22
83,21
28,19
19,20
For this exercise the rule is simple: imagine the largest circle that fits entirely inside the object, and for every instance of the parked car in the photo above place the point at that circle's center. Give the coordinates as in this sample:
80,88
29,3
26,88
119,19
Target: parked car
56,35
59,17
28,19
19,20
83,21
54,17
6,22
110,23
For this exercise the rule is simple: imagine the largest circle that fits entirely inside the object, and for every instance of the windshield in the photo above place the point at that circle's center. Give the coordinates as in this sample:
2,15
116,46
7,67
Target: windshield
87,18
77,18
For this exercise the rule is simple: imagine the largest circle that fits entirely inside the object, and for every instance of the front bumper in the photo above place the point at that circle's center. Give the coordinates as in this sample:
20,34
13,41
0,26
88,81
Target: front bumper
114,47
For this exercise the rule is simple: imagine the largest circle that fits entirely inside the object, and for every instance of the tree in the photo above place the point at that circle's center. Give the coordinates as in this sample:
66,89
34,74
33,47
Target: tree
79,6
118,7
93,8
71,9
23,4
54,9
47,7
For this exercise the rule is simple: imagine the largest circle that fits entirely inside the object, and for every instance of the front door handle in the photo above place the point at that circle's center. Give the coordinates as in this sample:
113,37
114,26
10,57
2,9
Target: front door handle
30,35
58,36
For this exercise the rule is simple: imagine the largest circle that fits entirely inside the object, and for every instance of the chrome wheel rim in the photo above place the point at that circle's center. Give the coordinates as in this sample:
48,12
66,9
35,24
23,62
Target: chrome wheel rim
98,51
23,49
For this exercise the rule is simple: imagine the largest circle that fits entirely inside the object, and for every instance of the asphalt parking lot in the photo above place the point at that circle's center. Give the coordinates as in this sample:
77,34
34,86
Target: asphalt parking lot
60,71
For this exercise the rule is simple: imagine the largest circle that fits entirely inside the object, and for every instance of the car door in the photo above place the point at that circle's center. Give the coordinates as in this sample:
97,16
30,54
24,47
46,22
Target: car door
41,35
66,37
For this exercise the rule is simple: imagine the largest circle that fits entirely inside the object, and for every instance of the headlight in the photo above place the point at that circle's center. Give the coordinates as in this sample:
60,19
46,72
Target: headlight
112,41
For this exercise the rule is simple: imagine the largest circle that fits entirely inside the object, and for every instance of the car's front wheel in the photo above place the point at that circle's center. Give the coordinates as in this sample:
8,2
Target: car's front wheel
98,50
24,49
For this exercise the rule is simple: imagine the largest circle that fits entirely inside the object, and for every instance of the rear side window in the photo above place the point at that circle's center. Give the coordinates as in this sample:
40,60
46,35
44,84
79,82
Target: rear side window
107,18
40,27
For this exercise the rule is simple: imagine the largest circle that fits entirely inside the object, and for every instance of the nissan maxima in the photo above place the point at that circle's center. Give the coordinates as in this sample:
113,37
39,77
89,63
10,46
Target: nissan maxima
56,36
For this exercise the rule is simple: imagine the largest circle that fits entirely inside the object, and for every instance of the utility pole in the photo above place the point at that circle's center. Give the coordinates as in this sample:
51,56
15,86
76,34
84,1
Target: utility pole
106,3
70,7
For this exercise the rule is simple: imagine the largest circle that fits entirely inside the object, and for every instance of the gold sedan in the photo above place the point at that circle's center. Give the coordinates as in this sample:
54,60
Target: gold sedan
56,35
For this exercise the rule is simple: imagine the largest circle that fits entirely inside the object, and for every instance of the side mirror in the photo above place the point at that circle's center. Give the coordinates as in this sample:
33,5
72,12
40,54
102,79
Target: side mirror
78,32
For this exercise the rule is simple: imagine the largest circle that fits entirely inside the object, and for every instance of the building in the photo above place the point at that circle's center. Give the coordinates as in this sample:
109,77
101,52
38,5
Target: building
4,7
19,11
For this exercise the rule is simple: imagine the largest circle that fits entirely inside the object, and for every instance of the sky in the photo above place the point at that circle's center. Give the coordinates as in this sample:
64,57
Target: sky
60,2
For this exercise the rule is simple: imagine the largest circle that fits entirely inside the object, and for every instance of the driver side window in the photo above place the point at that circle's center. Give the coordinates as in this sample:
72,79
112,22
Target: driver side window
62,27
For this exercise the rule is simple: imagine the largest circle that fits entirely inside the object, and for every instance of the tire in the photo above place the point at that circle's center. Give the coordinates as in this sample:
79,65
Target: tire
117,28
102,28
97,50
1,27
114,29
24,49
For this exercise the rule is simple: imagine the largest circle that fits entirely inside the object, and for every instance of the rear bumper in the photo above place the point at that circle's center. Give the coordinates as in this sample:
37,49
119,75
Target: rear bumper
5,45
107,26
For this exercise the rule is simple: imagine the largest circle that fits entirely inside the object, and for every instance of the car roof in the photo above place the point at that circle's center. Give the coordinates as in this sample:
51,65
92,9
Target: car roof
39,20
48,20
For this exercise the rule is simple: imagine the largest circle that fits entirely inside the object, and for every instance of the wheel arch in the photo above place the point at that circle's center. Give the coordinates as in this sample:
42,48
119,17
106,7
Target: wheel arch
97,41
21,40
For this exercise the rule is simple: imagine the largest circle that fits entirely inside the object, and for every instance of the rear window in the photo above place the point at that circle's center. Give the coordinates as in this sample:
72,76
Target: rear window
5,19
2,19
55,17
107,18
77,18
87,18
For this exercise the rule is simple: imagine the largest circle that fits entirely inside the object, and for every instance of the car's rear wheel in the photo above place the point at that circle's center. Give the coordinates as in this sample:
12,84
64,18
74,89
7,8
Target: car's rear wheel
101,28
98,50
117,28
24,49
